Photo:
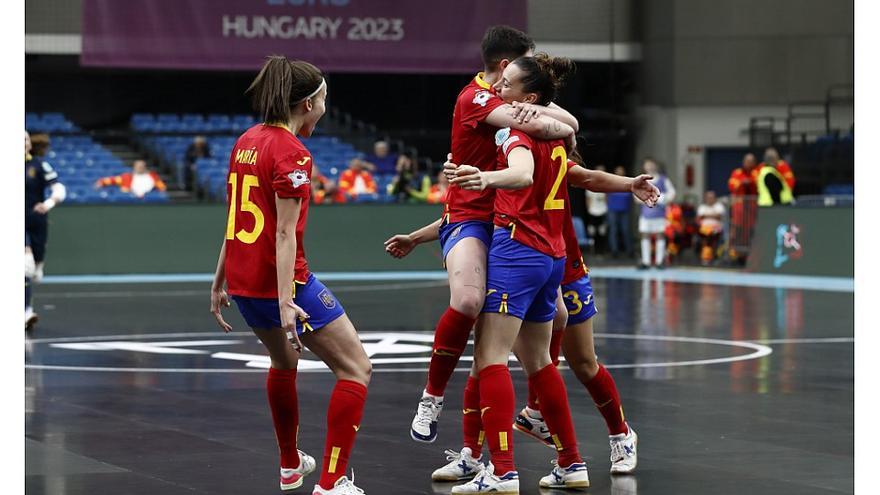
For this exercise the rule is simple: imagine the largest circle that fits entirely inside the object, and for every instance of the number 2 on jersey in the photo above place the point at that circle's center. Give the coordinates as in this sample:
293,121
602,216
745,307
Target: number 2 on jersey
552,202
247,182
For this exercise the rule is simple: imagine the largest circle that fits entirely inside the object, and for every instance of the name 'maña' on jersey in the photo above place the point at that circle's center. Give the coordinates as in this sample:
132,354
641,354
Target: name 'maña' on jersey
536,214
266,161
473,144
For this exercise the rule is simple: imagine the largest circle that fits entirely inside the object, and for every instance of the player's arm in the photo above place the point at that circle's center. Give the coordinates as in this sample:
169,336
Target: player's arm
518,174
524,112
401,245
598,181
58,191
285,261
542,127
219,299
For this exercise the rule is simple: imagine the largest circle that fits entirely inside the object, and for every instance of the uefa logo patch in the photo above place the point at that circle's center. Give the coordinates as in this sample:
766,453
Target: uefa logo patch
327,299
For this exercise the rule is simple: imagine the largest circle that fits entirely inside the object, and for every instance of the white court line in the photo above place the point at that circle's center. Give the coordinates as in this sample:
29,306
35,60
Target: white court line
759,351
820,340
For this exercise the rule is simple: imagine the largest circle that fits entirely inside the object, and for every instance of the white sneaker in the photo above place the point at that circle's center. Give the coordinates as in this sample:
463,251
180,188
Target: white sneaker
343,486
30,319
624,456
533,427
291,479
462,466
574,476
487,482
424,424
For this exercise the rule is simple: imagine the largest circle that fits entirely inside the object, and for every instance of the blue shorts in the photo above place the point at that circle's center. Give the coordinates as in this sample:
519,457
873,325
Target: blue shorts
521,281
579,300
313,297
452,233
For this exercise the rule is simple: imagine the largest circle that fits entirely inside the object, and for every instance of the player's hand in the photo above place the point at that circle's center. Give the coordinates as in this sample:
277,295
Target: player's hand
399,245
524,112
470,178
41,208
449,167
290,314
220,300
645,191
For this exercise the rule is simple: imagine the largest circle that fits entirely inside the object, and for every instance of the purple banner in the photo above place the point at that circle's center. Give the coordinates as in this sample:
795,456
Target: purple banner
335,35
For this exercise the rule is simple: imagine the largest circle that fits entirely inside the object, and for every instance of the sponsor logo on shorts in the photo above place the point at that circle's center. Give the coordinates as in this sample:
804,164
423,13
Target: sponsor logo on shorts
455,232
327,299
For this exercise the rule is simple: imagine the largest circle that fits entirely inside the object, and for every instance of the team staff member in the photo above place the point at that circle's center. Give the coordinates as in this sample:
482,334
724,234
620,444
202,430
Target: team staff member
38,175
263,264
465,229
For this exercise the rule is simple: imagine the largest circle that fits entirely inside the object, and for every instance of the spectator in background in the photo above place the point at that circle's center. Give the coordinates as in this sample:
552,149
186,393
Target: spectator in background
771,158
652,221
381,161
198,149
710,216
432,193
400,187
324,189
597,210
743,189
139,182
356,181
618,220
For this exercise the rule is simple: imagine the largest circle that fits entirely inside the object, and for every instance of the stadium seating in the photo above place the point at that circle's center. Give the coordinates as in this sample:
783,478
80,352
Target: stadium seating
48,122
80,161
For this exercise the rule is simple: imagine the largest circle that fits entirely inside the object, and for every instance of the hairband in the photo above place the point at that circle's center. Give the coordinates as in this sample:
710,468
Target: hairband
323,83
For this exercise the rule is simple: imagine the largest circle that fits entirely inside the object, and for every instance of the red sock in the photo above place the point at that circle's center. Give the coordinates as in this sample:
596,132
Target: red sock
343,422
472,426
281,388
450,339
554,407
497,402
555,346
604,393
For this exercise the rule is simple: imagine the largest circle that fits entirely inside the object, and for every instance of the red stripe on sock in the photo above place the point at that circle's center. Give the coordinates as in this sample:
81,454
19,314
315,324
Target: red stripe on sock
450,339
604,392
281,389
497,402
343,422
553,397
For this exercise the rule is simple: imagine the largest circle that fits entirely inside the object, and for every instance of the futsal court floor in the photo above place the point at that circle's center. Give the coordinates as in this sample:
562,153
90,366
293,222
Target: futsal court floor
131,389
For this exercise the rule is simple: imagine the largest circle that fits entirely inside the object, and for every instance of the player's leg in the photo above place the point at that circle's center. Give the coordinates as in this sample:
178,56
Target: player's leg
466,463
496,334
529,420
645,243
30,318
466,268
579,351
262,315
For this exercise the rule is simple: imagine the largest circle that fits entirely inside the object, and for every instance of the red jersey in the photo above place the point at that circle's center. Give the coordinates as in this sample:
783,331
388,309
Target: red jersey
535,214
473,143
575,268
265,161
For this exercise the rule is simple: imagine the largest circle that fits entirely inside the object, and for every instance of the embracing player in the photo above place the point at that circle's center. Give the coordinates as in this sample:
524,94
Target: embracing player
465,228
263,265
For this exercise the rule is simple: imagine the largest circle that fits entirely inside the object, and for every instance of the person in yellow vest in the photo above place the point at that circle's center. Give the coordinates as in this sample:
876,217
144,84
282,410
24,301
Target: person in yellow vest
772,187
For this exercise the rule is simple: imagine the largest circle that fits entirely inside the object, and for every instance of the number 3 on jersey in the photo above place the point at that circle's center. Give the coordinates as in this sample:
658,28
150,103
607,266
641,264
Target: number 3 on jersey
247,182
552,202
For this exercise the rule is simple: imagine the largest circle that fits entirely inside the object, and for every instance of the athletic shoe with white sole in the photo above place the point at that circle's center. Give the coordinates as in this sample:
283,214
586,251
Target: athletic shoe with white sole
30,319
424,424
462,466
488,482
291,479
533,427
624,455
574,476
343,486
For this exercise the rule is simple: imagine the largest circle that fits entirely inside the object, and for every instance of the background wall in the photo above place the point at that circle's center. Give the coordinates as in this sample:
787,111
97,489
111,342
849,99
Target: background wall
186,239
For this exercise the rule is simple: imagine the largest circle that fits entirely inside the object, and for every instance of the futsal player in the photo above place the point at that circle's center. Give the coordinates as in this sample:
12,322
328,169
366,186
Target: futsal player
525,267
263,266
576,339
465,229
38,176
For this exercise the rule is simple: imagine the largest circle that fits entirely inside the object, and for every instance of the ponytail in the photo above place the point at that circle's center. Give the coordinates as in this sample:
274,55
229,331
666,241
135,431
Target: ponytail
281,85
